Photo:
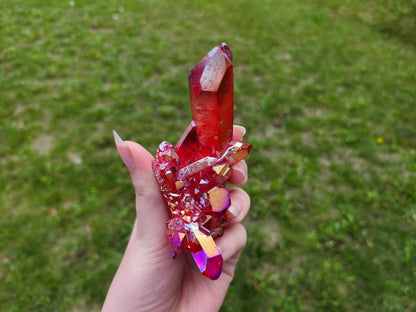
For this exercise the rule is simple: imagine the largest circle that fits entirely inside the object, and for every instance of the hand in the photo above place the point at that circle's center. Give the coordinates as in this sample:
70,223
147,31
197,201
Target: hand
148,279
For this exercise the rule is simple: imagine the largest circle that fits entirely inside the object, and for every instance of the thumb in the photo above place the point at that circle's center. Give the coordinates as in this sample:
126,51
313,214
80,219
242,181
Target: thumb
151,209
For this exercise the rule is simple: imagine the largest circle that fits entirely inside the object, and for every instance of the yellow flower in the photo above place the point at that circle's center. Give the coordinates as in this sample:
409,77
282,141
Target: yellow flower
380,140
96,54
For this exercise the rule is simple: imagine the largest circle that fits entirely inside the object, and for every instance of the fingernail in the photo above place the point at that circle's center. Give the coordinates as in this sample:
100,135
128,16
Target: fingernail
117,139
242,129
232,210
124,151
242,172
220,249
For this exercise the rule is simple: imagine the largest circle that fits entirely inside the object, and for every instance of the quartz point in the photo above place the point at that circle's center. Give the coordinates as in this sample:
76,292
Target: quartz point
192,175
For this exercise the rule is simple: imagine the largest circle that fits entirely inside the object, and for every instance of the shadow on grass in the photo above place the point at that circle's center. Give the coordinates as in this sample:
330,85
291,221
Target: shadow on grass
402,28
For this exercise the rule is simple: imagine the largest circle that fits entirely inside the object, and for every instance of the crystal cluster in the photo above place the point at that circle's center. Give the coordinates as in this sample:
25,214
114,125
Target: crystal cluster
192,175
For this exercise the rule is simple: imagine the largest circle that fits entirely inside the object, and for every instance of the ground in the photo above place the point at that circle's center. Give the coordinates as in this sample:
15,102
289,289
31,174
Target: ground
326,90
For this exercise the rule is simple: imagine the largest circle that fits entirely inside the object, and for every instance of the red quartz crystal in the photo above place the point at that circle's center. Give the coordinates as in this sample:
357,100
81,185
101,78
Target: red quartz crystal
192,175
212,100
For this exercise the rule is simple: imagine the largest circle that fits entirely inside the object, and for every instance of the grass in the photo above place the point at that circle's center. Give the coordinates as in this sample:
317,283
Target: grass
326,90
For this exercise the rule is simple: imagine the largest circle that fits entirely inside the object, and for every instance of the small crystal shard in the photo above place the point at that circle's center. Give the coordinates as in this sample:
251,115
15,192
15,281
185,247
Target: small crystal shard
219,198
208,259
192,175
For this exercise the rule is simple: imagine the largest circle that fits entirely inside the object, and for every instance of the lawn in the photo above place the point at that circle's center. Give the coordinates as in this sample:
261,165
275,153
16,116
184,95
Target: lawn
326,90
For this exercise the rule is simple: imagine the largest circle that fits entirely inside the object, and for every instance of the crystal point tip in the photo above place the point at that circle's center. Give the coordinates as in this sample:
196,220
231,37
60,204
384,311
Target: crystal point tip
193,174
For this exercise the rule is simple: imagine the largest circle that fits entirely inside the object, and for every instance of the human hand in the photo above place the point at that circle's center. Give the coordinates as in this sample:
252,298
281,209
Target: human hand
148,279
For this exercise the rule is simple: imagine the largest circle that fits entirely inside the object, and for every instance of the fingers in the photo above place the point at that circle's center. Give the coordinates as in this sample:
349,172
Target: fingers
238,132
239,173
240,204
232,243
142,176
139,162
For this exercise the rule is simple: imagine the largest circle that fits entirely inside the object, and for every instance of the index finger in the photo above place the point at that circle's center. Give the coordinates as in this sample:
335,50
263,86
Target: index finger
239,174
238,132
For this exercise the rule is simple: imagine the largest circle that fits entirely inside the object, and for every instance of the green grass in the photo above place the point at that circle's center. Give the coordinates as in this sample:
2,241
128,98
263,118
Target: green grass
326,90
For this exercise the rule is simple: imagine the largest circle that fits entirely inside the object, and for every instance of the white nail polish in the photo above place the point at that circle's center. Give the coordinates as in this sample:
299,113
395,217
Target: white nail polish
242,172
242,129
220,249
117,139
124,151
232,210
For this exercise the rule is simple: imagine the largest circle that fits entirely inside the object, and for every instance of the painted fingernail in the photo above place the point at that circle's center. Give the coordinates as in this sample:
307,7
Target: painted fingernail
242,129
124,151
232,210
220,249
242,172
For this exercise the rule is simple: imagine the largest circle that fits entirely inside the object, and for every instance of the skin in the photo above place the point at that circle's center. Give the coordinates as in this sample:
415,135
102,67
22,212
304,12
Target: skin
148,279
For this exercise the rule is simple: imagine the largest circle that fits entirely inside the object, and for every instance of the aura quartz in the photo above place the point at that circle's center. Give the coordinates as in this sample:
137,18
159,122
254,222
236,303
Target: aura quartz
192,175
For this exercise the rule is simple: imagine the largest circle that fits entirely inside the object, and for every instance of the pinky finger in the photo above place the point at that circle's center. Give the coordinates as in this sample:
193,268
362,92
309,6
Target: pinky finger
231,245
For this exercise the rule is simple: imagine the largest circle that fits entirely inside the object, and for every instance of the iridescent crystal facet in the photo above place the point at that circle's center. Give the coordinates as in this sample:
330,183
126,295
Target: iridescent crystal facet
192,175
